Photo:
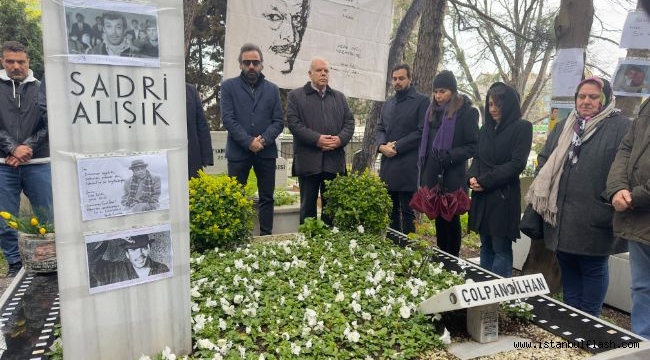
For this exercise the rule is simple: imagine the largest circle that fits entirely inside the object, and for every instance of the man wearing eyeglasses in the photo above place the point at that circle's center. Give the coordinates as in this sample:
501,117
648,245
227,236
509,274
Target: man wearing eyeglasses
252,113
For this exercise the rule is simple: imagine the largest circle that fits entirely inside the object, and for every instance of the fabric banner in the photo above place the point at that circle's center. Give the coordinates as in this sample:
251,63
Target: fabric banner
353,35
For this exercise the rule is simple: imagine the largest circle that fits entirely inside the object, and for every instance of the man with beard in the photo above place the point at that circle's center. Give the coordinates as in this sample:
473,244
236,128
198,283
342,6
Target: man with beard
251,111
288,21
24,146
399,131
138,263
142,190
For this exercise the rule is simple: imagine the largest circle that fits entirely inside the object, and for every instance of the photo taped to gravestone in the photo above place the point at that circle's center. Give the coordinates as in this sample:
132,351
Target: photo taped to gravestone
112,33
126,258
120,185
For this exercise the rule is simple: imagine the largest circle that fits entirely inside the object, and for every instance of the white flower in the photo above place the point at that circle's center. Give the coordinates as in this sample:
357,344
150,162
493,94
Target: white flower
405,312
228,309
239,264
355,306
167,354
199,322
353,336
339,297
335,230
222,324
285,336
366,316
360,229
144,357
262,357
238,299
352,245
336,285
310,317
446,337
210,303
205,344
308,344
295,349
242,351
195,292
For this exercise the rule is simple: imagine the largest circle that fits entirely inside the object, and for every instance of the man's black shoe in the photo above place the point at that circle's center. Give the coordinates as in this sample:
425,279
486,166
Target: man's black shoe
14,269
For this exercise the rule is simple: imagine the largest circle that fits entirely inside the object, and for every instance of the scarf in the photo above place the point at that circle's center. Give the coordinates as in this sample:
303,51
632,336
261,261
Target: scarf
542,194
116,50
145,193
444,136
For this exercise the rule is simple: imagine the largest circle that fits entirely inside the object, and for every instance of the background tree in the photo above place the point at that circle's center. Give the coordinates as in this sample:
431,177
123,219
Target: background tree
429,45
204,51
21,21
511,39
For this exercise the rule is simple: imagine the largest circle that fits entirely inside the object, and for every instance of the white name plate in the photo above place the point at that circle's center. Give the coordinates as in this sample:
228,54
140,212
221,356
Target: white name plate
485,292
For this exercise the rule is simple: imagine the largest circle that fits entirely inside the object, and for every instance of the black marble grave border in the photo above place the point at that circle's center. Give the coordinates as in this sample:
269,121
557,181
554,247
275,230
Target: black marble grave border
549,314
47,313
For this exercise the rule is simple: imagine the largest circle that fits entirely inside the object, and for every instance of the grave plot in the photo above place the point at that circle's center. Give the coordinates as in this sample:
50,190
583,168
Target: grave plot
29,315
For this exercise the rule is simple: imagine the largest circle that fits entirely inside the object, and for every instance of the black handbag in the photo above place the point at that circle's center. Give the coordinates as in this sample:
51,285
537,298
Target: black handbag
532,223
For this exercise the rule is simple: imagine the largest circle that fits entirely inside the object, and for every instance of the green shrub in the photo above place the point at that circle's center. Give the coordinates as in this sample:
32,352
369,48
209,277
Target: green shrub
313,227
358,199
283,197
221,213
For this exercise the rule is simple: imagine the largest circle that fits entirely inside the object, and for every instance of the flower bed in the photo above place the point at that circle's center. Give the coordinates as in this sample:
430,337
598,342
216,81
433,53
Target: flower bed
346,296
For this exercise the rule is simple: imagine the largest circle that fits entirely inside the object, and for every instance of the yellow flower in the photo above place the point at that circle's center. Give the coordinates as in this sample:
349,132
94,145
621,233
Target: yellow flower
13,224
42,230
5,215
34,221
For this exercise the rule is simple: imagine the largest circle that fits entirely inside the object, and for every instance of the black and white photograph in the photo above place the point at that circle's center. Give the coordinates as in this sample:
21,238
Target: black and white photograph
112,33
126,258
631,78
121,185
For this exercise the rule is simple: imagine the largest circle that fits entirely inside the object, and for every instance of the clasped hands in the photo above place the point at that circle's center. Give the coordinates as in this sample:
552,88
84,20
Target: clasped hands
388,149
474,185
21,154
328,142
257,144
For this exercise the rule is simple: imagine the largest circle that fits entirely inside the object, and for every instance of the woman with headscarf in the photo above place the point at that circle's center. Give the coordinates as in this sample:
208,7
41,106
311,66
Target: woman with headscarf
503,146
568,191
448,140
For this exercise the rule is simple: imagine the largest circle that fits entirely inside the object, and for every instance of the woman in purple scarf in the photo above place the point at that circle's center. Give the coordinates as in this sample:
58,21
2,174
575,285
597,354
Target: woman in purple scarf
449,138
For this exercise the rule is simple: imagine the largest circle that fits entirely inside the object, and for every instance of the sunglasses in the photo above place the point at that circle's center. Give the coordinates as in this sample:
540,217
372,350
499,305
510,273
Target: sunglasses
249,62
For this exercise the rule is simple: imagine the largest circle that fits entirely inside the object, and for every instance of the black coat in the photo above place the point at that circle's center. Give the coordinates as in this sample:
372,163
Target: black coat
401,121
584,219
463,146
199,143
501,156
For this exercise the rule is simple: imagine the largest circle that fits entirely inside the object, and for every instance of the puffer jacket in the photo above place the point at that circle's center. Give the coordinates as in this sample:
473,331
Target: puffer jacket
631,170
21,121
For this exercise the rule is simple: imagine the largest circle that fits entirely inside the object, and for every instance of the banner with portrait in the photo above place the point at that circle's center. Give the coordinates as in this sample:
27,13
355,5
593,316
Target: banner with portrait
353,36
632,78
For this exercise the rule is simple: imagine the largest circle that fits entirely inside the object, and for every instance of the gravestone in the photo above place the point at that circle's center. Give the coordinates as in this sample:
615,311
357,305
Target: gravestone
482,296
219,149
107,115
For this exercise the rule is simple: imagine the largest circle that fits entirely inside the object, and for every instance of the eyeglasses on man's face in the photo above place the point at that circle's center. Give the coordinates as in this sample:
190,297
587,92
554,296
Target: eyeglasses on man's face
249,62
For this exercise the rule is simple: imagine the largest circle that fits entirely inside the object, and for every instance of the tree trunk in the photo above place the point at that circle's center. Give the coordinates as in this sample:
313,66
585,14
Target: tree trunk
365,157
572,27
429,48
190,8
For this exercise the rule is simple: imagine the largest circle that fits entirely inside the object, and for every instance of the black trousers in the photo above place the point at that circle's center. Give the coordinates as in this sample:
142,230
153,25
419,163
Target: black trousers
310,187
448,234
402,217
264,169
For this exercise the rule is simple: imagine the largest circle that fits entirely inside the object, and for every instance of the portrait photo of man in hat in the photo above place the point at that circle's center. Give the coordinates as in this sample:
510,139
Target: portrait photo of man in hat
134,262
142,190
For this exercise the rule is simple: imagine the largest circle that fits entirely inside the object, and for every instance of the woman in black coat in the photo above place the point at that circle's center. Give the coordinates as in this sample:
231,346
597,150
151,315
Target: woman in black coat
448,140
503,146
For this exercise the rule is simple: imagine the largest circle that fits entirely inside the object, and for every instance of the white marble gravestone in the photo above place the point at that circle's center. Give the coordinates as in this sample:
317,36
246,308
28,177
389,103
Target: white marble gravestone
115,106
